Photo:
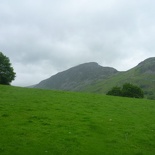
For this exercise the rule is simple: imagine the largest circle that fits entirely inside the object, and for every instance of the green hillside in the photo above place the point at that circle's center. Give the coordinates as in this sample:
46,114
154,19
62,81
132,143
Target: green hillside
38,122
91,77
142,75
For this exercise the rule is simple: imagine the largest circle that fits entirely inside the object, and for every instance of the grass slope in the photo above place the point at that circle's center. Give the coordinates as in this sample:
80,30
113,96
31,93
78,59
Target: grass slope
145,81
39,122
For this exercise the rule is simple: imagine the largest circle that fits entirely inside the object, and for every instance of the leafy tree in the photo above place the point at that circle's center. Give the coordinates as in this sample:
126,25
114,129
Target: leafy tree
7,74
115,91
128,90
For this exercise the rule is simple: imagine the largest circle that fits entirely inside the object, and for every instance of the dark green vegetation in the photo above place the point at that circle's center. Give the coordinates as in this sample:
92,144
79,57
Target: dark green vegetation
91,77
128,90
39,122
7,74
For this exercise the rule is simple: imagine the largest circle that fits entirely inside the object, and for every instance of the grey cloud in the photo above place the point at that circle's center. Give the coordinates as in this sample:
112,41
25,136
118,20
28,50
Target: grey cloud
44,37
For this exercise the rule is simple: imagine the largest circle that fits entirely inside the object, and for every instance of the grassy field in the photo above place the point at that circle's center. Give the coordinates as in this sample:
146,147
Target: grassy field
39,122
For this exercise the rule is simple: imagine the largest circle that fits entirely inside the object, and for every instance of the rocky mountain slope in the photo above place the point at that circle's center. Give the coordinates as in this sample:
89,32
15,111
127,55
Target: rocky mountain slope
91,77
77,78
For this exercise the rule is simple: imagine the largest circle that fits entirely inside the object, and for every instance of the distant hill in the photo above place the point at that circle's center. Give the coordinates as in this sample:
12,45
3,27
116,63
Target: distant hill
91,77
142,75
78,77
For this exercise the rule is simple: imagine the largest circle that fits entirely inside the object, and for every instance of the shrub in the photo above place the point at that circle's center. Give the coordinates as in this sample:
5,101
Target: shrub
115,91
128,90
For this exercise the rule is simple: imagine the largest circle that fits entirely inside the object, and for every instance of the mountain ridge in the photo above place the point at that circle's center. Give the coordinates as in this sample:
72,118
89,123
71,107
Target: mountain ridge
142,75
77,77
91,77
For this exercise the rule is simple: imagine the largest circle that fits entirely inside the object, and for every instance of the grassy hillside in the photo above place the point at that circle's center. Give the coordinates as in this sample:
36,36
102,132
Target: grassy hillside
91,77
39,122
144,80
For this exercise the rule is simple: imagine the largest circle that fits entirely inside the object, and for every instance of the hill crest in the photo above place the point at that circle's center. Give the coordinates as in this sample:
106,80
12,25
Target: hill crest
147,66
78,77
91,77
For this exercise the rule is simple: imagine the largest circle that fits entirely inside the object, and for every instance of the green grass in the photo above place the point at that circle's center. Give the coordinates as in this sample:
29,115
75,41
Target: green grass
39,122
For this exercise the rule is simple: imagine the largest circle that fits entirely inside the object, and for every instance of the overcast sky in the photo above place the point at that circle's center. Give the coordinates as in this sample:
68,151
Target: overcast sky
43,37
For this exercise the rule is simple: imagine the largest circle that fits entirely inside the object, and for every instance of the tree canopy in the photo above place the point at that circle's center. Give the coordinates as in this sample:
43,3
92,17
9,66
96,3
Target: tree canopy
7,74
128,90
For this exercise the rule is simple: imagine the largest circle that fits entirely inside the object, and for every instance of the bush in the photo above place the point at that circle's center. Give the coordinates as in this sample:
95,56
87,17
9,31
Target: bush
128,90
115,91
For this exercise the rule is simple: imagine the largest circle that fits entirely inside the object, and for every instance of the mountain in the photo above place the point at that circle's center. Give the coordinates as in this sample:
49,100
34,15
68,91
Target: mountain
142,75
78,77
91,77
147,66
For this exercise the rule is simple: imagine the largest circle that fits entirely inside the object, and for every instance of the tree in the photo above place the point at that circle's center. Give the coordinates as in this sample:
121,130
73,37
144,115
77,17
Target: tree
128,90
7,74
115,91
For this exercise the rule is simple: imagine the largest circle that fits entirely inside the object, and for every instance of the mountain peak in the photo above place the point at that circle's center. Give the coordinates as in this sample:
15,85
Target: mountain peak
90,63
92,77
147,66
147,61
85,65
78,77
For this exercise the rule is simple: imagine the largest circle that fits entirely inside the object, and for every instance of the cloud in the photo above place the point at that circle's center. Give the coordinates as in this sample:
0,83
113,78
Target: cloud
42,38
